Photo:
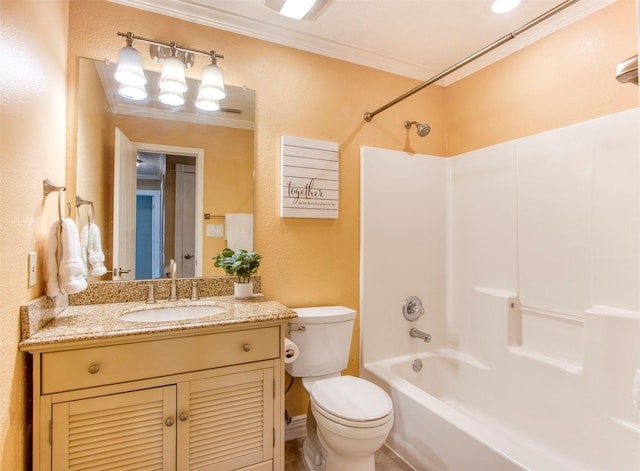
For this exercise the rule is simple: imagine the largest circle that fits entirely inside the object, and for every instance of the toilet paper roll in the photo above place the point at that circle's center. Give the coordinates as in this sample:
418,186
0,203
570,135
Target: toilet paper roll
291,351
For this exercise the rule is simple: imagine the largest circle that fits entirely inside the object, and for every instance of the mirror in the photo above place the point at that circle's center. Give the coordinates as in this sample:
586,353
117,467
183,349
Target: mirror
189,170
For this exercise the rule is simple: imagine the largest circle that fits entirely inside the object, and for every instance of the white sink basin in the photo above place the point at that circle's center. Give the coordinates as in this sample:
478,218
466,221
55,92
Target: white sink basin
172,313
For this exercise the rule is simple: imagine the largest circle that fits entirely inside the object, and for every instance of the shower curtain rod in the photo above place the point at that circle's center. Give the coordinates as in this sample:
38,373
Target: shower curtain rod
368,116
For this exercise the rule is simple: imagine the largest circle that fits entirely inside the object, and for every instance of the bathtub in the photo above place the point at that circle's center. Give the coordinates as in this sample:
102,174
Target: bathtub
456,414
527,269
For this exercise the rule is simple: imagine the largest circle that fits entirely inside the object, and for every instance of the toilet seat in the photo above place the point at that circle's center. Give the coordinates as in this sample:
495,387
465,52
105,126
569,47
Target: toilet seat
351,401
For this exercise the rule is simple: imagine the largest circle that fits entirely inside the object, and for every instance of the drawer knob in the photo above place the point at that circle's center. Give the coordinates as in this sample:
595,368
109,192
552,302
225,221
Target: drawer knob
94,368
246,347
184,416
169,422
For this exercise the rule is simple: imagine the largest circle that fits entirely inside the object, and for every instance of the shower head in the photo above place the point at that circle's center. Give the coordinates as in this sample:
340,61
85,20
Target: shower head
422,129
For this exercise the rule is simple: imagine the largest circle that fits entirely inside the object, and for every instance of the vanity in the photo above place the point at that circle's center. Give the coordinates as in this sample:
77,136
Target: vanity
199,393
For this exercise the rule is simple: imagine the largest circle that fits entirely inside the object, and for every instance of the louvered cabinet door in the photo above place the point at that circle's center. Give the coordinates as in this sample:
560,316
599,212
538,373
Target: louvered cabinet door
131,430
226,422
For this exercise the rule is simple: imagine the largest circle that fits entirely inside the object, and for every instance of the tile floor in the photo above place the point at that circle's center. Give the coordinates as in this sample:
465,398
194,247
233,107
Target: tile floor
386,460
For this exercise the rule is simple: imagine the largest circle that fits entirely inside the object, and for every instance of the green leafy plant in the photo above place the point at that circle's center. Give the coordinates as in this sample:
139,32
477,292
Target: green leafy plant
240,263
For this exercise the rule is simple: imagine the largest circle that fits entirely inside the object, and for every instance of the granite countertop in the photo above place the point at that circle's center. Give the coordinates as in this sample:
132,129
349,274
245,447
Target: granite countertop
102,321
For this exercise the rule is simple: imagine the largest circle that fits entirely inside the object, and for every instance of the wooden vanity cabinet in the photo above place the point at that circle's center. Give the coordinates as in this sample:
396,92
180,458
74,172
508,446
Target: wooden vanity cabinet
211,401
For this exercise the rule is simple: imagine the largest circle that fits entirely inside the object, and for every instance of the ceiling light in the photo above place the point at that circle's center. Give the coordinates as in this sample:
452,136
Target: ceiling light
503,6
297,9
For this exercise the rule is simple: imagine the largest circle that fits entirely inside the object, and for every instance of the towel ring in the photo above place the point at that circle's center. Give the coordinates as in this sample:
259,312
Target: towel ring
48,187
91,215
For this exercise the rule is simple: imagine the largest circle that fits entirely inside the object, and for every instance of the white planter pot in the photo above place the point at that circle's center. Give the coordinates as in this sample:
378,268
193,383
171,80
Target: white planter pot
243,290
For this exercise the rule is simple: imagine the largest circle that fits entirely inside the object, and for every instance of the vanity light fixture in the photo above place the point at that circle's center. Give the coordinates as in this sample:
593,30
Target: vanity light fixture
175,59
171,98
172,79
129,71
132,92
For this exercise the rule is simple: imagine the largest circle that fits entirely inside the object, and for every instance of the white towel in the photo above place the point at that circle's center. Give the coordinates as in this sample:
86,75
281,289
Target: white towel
64,266
91,251
239,231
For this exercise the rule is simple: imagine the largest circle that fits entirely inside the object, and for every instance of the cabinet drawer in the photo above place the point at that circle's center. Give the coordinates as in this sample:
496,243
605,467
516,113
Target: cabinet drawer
99,366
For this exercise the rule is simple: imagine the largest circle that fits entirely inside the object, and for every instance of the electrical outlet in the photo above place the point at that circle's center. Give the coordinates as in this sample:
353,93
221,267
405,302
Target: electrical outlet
33,269
215,230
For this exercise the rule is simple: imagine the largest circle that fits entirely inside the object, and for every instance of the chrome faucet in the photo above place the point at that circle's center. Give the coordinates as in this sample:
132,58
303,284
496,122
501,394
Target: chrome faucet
172,271
420,334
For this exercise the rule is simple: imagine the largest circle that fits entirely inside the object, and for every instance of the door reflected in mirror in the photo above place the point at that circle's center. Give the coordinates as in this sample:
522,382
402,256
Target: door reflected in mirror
177,166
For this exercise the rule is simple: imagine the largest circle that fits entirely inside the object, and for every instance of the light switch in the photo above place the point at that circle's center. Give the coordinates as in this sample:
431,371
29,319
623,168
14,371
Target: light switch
215,230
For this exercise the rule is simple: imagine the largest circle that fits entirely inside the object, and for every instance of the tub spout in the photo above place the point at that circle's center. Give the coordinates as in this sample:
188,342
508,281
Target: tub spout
420,335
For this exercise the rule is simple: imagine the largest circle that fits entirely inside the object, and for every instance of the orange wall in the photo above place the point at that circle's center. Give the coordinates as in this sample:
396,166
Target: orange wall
32,148
563,79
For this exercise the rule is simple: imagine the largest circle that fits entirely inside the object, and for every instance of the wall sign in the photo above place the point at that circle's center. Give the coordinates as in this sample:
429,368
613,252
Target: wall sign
309,183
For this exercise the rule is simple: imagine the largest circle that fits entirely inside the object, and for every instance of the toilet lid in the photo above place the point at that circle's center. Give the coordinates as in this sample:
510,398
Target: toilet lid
351,398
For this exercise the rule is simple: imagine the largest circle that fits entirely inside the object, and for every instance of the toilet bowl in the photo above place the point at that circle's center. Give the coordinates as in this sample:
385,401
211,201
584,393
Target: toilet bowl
349,418
353,418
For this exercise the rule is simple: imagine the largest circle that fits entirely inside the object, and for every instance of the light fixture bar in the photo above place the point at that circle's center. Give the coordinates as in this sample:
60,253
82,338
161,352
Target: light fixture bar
132,37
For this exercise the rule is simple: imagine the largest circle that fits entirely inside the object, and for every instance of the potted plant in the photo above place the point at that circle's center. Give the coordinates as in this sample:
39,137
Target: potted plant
242,264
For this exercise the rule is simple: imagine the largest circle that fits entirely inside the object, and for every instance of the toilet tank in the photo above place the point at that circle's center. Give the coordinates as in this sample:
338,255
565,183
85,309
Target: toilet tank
323,337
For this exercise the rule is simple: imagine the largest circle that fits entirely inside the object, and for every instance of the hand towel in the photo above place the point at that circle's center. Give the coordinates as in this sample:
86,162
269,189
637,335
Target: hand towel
70,270
64,265
239,231
84,249
96,256
91,250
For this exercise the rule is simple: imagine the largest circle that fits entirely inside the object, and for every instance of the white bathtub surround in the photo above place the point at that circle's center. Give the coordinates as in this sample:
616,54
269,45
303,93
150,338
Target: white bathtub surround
526,256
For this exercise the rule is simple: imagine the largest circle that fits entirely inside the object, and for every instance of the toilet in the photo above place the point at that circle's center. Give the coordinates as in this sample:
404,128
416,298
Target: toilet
348,418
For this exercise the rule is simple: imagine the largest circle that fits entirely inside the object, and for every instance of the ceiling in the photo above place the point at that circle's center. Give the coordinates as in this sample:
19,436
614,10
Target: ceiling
413,38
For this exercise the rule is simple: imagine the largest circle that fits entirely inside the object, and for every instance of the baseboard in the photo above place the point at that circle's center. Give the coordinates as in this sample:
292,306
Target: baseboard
297,428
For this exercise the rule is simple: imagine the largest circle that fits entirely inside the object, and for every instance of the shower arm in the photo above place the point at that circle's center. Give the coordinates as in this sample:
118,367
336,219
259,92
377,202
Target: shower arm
368,116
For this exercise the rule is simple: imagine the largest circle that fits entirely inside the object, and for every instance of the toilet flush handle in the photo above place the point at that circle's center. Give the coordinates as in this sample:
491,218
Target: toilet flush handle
300,328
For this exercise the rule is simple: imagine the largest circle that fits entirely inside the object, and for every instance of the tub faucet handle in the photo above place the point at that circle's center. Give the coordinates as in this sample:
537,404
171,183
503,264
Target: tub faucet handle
412,308
420,334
